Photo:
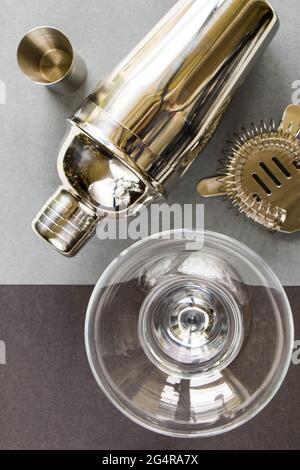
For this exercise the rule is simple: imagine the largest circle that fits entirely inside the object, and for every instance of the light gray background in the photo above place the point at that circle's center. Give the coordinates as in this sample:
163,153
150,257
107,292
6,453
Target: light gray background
32,125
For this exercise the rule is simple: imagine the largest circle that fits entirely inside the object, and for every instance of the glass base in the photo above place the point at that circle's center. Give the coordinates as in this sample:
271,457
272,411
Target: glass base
189,326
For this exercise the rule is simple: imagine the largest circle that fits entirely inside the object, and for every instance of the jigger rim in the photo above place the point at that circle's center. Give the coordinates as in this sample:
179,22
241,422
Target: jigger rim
57,30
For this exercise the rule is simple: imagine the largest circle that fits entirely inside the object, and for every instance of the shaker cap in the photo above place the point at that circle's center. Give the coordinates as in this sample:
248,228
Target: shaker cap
66,222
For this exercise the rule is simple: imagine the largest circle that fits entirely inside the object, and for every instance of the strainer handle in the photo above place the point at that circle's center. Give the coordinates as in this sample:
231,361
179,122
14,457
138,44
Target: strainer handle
210,187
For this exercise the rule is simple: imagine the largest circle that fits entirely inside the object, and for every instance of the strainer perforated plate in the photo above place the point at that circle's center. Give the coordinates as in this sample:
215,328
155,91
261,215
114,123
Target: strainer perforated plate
261,173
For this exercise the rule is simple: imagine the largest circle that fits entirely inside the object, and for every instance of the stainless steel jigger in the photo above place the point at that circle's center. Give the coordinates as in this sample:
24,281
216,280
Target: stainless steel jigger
46,56
143,126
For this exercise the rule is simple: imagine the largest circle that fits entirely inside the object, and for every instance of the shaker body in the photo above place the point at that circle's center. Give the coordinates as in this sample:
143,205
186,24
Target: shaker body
169,95
145,124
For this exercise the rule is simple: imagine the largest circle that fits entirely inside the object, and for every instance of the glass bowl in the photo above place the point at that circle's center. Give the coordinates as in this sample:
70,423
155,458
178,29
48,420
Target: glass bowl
189,334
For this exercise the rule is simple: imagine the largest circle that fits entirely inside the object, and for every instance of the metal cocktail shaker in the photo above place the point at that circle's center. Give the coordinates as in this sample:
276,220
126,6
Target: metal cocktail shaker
145,124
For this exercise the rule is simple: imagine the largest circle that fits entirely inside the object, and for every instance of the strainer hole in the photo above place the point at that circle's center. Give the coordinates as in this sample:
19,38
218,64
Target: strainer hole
270,174
296,163
282,168
256,197
262,184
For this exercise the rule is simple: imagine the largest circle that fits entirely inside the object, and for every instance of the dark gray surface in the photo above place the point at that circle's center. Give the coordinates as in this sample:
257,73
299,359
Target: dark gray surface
50,400
33,120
